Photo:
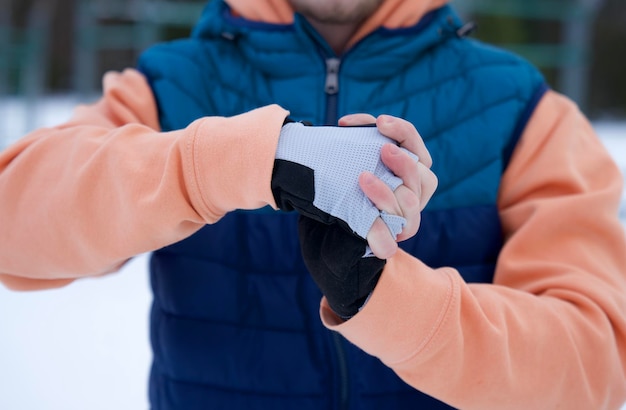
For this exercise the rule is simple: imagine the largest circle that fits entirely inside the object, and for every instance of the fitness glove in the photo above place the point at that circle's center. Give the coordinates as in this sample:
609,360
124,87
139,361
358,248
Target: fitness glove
316,173
335,261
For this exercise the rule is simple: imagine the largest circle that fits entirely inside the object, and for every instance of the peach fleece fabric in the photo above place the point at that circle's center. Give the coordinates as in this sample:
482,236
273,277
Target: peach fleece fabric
82,198
551,331
391,14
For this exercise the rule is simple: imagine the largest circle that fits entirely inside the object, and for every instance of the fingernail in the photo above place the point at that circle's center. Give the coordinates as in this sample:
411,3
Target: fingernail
367,178
394,150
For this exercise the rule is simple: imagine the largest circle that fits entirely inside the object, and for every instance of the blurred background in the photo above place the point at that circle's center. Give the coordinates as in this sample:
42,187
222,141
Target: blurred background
62,47
86,346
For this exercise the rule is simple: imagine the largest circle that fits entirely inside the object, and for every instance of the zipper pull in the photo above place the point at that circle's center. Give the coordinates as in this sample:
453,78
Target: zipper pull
332,76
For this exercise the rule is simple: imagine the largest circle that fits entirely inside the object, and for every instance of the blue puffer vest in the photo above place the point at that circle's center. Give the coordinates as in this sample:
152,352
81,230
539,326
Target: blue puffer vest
235,319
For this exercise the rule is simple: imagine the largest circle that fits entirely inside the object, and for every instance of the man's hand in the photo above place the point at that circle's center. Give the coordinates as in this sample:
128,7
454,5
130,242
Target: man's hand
316,172
418,181
334,257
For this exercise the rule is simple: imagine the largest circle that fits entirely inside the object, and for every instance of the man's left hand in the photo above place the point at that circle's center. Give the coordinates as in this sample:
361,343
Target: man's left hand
410,198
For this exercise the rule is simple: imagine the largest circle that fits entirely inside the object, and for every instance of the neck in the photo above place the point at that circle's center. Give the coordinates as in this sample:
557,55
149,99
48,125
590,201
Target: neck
336,35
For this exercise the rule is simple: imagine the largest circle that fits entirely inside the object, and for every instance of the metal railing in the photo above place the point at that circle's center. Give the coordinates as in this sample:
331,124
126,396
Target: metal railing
22,62
123,25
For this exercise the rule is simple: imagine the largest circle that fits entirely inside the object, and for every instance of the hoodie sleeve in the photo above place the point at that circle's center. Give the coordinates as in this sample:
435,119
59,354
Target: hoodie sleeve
550,332
82,198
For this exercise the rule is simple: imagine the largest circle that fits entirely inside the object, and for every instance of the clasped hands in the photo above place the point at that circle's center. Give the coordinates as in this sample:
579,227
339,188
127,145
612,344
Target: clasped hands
345,241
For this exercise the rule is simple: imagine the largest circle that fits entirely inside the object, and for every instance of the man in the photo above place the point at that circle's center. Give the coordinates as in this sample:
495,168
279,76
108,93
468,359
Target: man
511,295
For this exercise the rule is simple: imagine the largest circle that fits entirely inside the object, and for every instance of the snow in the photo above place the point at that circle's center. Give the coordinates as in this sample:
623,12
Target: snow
82,347
86,346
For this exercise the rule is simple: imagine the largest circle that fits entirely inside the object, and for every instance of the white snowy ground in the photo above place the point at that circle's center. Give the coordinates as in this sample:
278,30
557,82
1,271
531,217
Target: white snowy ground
86,346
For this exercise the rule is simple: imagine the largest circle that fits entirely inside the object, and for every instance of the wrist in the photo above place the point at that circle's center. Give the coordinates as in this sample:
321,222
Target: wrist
230,160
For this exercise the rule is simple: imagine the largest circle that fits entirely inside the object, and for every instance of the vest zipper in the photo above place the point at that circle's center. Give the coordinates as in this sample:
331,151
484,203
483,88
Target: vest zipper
331,88
344,386
332,63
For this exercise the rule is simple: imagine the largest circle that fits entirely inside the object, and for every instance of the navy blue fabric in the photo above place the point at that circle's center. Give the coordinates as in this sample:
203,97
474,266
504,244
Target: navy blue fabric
235,320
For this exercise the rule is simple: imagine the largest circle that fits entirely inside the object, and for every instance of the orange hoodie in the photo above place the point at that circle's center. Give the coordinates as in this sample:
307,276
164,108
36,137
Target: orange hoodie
550,332
82,198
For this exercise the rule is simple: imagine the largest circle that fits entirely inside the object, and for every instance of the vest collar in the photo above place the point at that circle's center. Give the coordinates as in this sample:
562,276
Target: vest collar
290,49
393,14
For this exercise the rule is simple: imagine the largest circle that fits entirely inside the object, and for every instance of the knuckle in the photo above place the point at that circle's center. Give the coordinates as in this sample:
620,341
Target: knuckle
408,199
431,183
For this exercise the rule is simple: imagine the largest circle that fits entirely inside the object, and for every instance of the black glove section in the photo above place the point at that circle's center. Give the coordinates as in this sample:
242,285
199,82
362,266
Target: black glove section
293,187
334,258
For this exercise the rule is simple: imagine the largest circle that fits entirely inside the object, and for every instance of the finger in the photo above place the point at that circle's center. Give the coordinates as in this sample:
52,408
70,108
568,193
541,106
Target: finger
409,194
403,166
407,136
403,202
380,240
411,211
356,119
415,176
428,184
379,193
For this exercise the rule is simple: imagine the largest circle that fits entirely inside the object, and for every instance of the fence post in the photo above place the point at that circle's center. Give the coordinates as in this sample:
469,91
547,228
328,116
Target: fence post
574,78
